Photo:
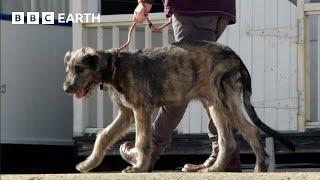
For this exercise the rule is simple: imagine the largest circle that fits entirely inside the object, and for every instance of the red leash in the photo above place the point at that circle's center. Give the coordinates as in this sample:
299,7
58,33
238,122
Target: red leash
151,27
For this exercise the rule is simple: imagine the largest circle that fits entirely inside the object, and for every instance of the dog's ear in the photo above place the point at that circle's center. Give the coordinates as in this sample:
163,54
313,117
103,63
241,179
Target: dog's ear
91,61
67,57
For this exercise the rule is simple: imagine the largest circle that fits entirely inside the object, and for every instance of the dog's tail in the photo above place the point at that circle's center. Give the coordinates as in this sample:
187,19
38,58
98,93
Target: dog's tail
246,81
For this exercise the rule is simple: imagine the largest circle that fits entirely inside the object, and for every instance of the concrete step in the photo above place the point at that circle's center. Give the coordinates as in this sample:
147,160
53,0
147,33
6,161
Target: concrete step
170,175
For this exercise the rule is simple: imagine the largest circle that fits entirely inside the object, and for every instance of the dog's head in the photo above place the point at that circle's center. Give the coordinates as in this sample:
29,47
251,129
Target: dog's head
83,67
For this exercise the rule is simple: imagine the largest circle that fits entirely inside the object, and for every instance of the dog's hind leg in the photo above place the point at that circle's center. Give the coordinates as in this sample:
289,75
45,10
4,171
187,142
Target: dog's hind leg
226,141
252,135
106,138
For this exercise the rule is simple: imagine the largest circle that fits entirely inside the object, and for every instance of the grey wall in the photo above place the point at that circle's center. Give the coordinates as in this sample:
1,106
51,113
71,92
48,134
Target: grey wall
35,110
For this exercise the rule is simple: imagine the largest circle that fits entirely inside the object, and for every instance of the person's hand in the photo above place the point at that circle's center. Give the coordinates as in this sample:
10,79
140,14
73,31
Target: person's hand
141,12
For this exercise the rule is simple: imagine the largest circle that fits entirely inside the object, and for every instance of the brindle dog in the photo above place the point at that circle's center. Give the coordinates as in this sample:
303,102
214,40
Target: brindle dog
142,80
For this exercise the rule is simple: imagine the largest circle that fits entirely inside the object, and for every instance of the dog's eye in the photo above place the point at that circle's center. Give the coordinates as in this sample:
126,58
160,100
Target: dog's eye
78,69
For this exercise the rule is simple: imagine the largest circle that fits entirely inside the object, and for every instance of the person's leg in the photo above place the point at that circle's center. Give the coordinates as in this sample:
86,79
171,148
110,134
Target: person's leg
186,28
221,26
166,122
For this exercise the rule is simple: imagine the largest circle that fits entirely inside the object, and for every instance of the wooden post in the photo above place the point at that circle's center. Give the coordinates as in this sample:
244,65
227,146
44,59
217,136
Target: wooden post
100,93
115,44
307,67
165,36
104,104
271,153
301,66
132,45
318,68
148,36
80,107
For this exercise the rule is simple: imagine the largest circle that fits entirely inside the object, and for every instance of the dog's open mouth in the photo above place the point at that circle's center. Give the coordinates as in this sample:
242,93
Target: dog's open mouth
83,92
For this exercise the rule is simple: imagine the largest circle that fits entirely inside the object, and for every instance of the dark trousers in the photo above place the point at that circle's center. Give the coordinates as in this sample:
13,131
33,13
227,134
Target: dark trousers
185,28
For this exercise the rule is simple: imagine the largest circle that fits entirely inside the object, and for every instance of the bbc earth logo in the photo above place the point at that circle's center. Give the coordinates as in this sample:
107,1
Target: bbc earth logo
49,18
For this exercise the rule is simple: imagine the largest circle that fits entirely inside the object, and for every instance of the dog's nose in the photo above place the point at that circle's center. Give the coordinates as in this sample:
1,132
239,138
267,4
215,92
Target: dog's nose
67,88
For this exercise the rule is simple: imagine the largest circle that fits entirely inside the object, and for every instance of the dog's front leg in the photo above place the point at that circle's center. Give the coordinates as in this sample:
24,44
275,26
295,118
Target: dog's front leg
106,138
143,140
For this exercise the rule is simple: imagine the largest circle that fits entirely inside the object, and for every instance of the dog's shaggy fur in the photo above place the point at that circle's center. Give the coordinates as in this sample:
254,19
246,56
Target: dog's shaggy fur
142,80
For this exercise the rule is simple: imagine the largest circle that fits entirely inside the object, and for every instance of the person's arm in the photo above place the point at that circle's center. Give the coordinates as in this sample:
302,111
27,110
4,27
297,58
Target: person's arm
142,10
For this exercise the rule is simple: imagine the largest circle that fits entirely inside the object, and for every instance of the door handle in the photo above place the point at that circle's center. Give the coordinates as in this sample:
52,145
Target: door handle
3,88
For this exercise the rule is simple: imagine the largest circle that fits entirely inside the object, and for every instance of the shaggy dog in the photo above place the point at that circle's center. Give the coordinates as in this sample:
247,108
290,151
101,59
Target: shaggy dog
142,80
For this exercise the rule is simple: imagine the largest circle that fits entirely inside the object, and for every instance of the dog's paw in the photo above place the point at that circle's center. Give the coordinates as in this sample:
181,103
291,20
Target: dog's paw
260,169
203,170
83,167
210,169
131,169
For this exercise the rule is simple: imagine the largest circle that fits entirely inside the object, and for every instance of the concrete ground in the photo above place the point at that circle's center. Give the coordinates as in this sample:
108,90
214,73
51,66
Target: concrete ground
171,175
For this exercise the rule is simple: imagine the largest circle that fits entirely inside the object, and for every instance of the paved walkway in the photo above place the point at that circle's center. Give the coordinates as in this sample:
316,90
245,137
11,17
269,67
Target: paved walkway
170,175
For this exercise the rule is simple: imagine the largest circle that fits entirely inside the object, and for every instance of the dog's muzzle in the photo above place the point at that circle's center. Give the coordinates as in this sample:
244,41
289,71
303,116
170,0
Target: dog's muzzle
68,88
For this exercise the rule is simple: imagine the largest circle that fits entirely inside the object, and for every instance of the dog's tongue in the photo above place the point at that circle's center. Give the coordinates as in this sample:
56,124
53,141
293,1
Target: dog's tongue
80,93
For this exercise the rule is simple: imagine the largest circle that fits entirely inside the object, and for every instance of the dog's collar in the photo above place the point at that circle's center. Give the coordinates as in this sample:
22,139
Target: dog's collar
107,73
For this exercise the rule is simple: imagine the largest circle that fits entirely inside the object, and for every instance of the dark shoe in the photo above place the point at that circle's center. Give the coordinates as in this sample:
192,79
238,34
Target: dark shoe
128,153
196,167
233,166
